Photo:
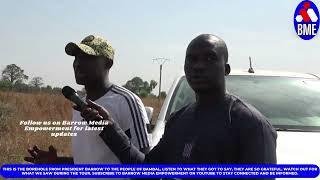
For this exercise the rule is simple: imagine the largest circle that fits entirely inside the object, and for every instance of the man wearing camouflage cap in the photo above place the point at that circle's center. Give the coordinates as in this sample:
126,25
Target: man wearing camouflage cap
94,57
92,45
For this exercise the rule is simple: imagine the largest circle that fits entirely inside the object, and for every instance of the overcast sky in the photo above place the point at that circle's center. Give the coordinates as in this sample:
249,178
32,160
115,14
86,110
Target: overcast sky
34,33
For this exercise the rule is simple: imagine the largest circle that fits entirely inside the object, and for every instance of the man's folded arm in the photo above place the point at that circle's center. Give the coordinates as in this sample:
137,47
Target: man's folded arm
120,144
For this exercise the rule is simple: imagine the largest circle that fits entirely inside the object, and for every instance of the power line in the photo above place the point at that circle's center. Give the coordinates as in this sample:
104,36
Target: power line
160,61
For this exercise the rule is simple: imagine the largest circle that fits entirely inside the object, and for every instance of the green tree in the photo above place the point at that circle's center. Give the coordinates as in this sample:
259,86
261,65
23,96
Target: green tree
140,87
163,94
21,87
47,89
153,85
36,82
14,73
56,90
5,85
143,93
134,85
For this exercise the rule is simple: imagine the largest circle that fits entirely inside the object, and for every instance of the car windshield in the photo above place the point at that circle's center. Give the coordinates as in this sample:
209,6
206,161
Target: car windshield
290,103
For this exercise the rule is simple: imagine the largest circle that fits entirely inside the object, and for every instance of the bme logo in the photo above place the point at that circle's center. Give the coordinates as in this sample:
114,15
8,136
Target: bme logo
306,20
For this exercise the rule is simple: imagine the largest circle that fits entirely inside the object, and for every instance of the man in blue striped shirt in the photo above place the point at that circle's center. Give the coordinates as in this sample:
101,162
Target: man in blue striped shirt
93,59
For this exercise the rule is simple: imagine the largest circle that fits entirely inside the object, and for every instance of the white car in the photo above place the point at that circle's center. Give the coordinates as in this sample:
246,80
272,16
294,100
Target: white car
290,100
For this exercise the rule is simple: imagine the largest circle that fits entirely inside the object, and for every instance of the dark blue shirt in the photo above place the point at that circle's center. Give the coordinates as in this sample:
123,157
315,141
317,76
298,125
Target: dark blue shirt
229,132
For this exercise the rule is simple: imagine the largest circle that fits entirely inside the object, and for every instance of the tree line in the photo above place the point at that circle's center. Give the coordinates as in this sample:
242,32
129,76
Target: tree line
13,78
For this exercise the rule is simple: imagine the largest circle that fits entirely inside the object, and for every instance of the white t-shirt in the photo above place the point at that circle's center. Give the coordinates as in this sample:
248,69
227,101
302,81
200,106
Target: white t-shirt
125,108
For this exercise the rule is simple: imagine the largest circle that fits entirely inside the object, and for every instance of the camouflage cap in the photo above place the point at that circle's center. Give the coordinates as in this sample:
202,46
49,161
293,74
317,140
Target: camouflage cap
91,45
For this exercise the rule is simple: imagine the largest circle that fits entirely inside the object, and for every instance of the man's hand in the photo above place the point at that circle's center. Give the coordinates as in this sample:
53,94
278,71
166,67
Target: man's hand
42,157
94,112
46,157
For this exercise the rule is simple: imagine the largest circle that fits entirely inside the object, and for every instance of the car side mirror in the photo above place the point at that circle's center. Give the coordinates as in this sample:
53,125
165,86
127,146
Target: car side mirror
149,111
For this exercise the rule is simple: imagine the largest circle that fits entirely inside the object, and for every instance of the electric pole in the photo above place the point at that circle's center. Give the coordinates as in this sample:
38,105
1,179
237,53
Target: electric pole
160,61
250,68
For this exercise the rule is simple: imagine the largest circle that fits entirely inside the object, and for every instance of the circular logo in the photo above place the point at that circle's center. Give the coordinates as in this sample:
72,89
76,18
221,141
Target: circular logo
306,20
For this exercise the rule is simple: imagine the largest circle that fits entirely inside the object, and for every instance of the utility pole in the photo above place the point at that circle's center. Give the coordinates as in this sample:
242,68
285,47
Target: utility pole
160,61
250,68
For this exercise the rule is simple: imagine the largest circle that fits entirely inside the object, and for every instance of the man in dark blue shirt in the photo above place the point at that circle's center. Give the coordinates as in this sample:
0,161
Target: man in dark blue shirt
218,128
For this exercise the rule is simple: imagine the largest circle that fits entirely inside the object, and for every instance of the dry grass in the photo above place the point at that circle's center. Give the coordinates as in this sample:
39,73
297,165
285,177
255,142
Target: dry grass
156,104
40,107
15,107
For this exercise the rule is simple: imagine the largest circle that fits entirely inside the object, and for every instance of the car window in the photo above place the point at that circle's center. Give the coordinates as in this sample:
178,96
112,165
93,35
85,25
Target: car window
292,103
182,96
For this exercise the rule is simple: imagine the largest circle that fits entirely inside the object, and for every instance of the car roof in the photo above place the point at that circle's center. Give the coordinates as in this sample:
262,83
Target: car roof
260,72
274,73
